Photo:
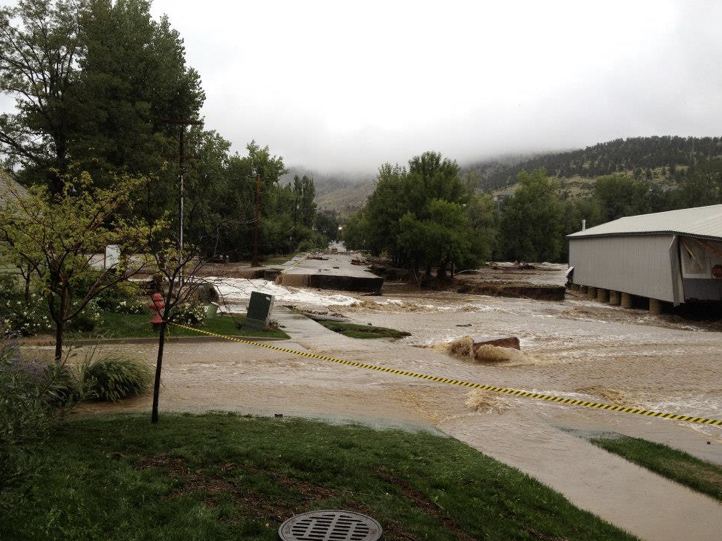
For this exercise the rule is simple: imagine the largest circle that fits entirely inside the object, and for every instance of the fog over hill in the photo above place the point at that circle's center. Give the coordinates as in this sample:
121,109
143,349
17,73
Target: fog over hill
639,156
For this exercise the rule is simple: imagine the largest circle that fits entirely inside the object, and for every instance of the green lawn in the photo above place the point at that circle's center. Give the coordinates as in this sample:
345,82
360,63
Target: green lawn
225,477
671,463
279,259
138,326
354,330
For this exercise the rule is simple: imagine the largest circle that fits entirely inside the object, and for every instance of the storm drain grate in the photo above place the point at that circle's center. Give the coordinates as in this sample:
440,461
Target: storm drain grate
330,526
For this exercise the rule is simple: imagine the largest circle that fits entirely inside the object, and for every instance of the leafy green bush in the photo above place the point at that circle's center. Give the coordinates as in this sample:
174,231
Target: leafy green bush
191,313
33,394
114,378
20,318
87,319
122,299
9,286
314,241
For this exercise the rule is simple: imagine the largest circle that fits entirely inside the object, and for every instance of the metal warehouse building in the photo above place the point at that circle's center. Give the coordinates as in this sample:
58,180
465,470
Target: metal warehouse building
673,256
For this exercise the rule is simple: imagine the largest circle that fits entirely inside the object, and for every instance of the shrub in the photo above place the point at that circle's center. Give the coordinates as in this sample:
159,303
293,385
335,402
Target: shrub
87,319
192,313
34,394
114,378
135,306
24,319
122,299
9,286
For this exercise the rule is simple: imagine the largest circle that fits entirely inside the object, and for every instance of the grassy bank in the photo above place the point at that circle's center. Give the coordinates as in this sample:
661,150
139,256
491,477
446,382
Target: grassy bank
354,330
671,463
222,477
113,325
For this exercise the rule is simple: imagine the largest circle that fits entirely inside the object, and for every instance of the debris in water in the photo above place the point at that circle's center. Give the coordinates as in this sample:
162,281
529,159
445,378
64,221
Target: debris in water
495,354
479,400
463,348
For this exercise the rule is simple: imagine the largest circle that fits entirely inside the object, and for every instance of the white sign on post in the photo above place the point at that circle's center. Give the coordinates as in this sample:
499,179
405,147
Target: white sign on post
112,255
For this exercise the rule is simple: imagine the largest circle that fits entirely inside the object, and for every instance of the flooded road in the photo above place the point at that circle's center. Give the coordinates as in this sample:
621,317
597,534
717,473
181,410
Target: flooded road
576,348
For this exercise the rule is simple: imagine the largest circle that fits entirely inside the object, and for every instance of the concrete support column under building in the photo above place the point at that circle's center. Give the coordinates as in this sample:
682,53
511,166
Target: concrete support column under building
655,307
583,290
592,292
602,295
626,300
615,298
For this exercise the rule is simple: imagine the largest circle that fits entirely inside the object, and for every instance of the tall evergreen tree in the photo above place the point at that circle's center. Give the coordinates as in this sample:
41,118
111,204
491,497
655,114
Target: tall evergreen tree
95,82
40,47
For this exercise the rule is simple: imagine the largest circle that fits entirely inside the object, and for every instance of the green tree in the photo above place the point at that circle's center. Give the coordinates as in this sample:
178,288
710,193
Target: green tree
357,230
304,193
483,216
133,79
327,224
619,196
417,215
39,52
385,207
531,220
59,235
702,186
95,83
400,190
208,186
267,170
443,238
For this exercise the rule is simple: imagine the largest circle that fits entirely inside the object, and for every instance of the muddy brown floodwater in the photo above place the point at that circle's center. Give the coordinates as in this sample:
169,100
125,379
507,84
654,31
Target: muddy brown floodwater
576,348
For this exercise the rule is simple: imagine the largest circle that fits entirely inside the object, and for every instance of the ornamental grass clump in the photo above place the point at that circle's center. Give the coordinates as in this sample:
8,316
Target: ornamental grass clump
114,378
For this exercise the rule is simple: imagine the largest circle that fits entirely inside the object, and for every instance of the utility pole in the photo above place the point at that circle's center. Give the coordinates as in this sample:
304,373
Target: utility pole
182,123
255,262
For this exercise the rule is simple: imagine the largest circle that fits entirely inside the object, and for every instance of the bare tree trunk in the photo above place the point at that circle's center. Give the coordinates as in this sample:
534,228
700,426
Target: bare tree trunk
161,344
27,287
59,339
158,369
60,324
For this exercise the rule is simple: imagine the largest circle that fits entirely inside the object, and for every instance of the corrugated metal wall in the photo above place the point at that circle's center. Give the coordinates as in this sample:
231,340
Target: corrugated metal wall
639,265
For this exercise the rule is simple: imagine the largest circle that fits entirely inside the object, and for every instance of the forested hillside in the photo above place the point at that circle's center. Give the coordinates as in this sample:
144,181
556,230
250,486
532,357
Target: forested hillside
640,157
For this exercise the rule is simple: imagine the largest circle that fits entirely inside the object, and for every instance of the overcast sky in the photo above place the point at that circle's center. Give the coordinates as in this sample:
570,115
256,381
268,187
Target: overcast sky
343,85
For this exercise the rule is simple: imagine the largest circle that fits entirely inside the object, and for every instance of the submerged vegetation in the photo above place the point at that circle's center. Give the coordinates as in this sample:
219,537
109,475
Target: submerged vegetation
354,330
670,463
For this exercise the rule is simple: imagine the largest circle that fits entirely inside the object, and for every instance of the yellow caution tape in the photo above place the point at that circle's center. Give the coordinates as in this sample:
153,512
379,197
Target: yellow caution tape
470,384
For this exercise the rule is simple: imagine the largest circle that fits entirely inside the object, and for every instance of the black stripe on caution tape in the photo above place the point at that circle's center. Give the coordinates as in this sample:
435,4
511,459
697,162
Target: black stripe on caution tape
469,384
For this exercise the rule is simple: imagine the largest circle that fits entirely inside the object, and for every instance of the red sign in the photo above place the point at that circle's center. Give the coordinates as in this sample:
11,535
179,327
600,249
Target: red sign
717,271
